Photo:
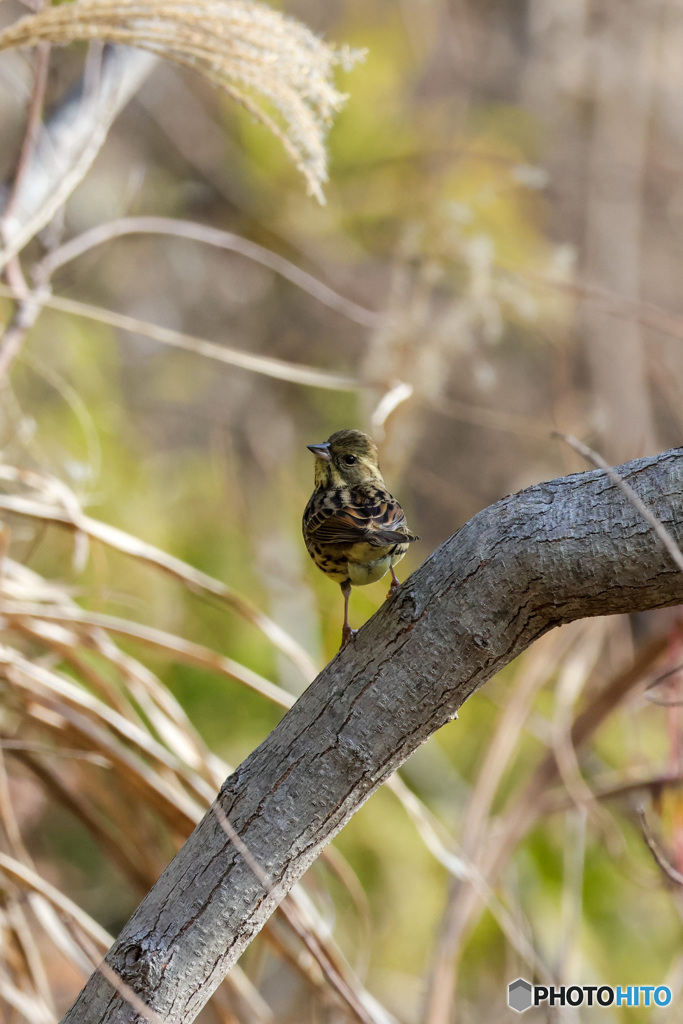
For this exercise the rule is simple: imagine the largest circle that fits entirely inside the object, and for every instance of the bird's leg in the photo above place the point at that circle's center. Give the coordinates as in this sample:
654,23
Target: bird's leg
394,585
347,632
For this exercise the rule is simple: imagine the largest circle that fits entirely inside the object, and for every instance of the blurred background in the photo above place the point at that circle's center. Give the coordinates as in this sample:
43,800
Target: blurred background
498,258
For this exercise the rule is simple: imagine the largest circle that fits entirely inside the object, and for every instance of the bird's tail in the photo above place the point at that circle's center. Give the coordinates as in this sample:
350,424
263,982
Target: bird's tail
381,538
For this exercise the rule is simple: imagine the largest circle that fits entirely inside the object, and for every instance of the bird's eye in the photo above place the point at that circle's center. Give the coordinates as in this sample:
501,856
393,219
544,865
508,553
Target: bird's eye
349,459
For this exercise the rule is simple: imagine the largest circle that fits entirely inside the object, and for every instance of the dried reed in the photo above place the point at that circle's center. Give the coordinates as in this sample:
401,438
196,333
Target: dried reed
272,65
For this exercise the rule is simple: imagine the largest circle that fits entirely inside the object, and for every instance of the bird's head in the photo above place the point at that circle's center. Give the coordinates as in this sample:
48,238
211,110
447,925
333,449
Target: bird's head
346,459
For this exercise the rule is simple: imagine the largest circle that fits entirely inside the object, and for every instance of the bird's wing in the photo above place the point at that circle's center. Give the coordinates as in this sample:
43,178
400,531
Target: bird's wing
378,520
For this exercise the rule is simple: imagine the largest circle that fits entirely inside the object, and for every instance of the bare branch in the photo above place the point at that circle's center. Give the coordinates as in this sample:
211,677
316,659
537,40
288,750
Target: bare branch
75,247
557,552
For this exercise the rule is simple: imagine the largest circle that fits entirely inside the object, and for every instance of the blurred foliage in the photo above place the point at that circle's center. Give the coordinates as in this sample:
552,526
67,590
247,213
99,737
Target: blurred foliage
458,211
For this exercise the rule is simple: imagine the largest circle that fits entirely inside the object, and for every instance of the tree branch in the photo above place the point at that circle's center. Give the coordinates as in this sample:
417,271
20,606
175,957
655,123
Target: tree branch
559,551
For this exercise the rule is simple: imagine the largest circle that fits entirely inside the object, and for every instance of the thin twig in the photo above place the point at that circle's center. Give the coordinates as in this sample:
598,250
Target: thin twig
668,869
220,239
645,313
663,676
662,702
490,419
23,320
597,460
561,800
266,365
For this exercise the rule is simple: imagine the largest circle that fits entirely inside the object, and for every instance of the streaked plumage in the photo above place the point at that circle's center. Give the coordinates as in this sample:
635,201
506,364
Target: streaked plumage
355,531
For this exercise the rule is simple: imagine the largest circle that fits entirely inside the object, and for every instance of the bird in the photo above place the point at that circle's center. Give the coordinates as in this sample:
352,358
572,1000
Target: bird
354,529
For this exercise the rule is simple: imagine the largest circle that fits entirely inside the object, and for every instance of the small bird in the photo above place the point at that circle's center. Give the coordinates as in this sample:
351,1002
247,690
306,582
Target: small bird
355,531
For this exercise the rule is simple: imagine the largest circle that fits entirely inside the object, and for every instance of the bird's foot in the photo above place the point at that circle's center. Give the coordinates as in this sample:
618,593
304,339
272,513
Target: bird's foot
393,586
347,634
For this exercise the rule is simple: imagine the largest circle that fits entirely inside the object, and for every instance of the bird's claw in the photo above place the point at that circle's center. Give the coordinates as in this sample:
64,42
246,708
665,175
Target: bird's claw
347,634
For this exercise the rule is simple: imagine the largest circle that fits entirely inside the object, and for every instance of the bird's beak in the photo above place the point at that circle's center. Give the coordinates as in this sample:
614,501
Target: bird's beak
321,451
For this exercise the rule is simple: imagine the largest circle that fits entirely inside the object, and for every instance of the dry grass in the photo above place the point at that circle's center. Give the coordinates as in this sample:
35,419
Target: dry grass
273,65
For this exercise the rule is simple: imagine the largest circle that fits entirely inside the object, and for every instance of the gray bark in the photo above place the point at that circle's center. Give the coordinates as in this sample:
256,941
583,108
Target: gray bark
559,551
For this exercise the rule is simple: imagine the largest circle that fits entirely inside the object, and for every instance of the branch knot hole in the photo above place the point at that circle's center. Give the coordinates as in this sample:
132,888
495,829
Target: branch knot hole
133,955
407,608
140,965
